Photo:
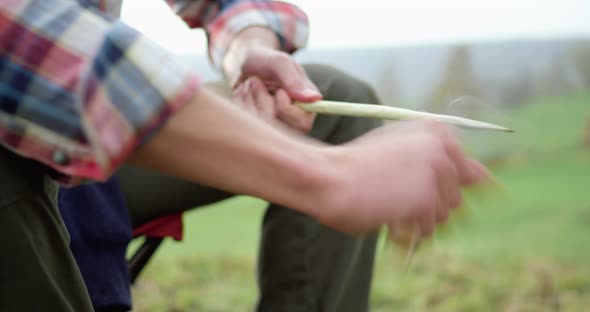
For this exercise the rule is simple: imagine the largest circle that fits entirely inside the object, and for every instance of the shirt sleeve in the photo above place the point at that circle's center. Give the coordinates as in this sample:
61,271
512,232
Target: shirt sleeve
79,92
223,19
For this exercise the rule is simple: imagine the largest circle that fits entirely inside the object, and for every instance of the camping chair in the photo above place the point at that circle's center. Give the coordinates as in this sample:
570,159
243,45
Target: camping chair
154,233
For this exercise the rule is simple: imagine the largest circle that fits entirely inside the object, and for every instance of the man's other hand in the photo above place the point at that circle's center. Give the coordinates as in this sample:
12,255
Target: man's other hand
255,53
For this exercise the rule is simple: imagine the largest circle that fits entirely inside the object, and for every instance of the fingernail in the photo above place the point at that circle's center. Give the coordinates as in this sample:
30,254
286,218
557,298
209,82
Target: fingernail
310,92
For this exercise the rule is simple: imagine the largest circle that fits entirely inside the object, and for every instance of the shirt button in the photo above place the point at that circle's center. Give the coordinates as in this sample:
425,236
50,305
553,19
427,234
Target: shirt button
60,158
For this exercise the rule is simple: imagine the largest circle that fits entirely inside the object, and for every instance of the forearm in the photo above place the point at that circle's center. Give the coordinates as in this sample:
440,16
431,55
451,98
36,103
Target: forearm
210,141
396,175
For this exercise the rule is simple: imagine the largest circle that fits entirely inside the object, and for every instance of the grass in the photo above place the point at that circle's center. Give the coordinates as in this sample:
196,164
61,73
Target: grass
522,249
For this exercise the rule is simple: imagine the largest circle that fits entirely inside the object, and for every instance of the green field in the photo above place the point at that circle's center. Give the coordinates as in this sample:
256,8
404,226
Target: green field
524,247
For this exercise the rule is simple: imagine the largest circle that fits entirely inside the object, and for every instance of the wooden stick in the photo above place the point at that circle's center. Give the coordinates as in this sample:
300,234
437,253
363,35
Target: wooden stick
393,113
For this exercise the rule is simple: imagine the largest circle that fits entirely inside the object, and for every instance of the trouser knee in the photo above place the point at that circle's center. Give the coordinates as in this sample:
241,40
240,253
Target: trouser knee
337,85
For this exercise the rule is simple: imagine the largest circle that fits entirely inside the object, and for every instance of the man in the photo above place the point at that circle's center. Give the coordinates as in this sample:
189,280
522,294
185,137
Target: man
304,266
81,94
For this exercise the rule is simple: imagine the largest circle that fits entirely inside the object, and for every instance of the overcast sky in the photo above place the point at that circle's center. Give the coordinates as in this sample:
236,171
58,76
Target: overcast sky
365,23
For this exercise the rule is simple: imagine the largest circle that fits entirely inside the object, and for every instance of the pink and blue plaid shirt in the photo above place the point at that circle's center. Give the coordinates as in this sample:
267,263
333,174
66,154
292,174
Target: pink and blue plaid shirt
79,90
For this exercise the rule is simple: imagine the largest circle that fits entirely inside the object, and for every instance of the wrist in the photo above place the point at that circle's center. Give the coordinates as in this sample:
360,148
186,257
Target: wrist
314,180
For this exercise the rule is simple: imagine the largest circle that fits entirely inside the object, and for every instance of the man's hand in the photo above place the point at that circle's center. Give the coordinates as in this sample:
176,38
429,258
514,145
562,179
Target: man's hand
254,53
408,174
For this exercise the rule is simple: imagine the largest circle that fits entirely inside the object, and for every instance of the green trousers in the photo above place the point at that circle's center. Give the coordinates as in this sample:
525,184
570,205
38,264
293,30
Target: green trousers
37,269
303,266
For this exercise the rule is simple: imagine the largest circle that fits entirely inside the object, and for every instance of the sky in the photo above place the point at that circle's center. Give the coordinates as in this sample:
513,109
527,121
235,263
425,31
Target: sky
369,23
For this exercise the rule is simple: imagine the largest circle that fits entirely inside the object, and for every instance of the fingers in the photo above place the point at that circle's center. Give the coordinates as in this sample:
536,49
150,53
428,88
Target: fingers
293,115
244,98
449,188
263,99
293,79
479,172
470,171
254,97
450,170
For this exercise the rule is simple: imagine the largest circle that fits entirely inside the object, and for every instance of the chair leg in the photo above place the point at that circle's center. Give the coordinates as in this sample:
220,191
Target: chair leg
142,256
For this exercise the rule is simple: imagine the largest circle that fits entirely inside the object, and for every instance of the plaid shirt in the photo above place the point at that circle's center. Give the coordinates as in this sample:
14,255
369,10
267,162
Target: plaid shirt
79,90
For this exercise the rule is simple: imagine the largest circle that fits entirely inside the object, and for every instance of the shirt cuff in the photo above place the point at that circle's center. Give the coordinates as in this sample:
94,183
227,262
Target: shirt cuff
289,23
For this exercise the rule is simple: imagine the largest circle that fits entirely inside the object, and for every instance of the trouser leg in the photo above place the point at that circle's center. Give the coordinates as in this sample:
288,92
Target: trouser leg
38,271
303,265
150,194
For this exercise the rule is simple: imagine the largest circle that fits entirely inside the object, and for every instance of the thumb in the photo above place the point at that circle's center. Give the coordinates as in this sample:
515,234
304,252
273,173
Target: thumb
304,93
476,173
297,85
